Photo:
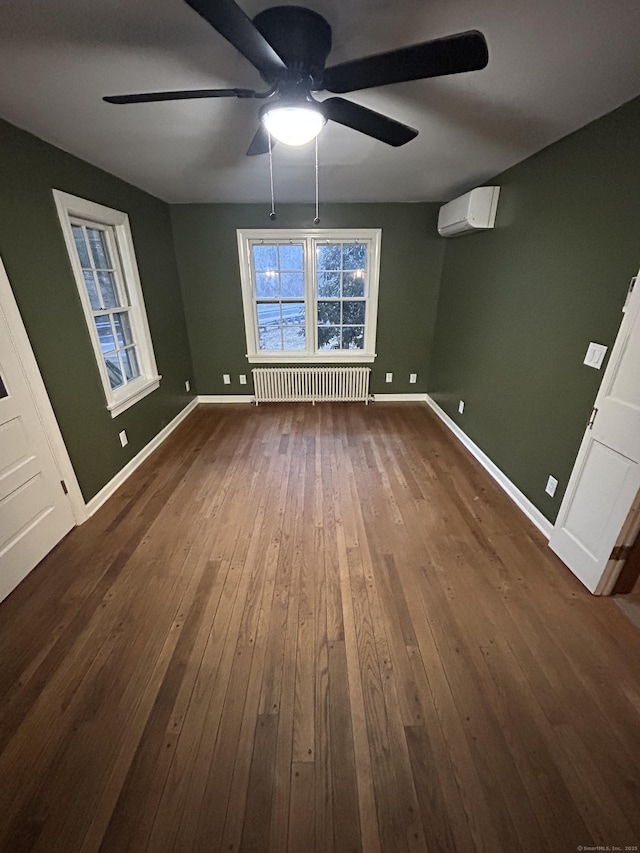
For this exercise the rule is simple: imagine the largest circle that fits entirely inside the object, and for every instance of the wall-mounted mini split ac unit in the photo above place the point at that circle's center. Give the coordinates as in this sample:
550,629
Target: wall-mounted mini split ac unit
473,211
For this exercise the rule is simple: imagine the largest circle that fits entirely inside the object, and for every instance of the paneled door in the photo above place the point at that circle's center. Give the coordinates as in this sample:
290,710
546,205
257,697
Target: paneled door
606,475
35,511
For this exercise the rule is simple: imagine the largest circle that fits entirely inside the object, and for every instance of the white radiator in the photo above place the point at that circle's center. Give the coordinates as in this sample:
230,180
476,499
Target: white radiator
310,384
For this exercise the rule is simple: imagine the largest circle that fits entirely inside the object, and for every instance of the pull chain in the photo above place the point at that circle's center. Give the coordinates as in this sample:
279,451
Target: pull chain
272,215
316,221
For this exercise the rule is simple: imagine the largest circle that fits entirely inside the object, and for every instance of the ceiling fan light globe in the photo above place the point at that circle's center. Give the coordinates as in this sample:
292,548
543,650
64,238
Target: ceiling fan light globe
293,125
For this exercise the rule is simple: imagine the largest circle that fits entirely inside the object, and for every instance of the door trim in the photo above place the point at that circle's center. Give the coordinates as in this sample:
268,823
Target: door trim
628,534
38,391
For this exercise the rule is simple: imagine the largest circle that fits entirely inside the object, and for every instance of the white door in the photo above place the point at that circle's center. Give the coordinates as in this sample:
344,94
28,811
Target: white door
606,475
35,512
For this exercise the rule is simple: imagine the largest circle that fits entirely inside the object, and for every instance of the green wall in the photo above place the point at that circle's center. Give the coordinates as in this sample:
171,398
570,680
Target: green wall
410,266
36,260
519,305
503,324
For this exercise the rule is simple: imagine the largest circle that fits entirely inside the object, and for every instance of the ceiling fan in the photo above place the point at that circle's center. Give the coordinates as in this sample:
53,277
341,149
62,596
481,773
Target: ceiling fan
289,46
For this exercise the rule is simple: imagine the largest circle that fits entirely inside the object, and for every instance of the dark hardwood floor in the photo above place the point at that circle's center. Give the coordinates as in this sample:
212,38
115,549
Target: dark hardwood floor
303,629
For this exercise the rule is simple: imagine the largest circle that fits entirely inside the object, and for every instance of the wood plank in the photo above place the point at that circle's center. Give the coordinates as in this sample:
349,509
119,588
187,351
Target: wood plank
257,815
344,783
301,809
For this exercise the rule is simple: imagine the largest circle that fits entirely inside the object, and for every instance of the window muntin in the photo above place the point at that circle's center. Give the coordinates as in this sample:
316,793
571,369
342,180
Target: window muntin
109,300
310,296
278,276
102,256
341,275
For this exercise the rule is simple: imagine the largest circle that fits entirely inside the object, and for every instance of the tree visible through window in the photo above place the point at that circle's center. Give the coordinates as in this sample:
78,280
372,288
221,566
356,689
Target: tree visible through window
341,270
310,296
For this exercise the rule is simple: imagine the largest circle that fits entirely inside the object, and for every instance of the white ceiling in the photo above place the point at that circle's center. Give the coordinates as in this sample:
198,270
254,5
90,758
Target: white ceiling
554,65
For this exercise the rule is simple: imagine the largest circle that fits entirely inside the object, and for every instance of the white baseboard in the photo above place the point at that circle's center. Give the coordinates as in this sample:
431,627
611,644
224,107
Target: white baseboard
522,501
123,474
399,398
226,398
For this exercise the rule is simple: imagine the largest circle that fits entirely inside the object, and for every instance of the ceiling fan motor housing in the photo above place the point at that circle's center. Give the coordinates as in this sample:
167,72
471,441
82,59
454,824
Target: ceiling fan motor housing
300,37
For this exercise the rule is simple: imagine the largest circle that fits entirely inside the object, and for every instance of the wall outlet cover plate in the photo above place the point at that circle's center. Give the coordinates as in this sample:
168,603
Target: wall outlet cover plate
595,355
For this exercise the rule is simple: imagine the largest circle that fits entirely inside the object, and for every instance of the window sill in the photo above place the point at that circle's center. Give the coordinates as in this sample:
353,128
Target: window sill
135,393
336,357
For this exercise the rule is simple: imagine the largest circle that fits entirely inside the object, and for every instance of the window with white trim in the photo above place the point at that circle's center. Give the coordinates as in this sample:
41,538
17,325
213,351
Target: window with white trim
102,256
310,295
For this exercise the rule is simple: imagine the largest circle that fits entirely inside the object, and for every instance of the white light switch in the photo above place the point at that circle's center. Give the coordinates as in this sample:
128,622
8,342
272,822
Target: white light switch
595,355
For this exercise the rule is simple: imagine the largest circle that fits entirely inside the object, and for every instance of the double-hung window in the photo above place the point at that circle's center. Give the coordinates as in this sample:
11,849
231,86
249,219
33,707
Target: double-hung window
310,296
101,251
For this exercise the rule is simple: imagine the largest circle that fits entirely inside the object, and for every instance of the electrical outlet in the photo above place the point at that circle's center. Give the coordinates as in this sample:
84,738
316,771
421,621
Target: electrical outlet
243,379
187,385
226,378
552,485
461,406
123,438
389,377
413,378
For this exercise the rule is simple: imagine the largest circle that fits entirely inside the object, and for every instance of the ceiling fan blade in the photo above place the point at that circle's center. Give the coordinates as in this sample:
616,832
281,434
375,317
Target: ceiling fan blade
450,55
147,97
369,122
260,142
230,21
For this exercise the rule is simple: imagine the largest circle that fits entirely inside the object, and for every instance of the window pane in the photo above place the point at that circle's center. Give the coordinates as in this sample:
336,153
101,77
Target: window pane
353,283
328,257
265,258
328,313
291,256
268,313
329,284
108,290
130,361
266,284
270,337
353,337
114,371
81,246
292,284
123,329
92,289
293,312
105,333
354,256
328,337
353,313
293,337
99,250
